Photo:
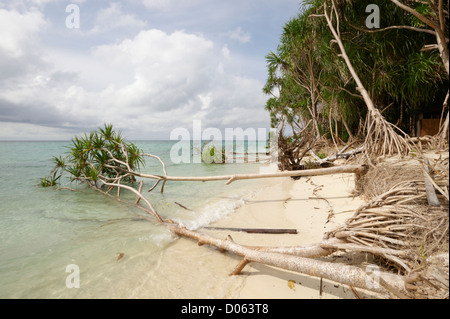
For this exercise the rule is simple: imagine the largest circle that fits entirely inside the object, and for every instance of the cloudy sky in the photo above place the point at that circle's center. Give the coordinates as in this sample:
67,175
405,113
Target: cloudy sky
146,66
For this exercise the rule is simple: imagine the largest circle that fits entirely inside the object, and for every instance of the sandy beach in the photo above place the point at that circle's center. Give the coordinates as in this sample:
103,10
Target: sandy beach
311,205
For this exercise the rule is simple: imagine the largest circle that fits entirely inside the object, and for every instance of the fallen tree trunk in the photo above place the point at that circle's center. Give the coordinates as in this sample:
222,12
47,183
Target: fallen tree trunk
309,251
345,274
358,169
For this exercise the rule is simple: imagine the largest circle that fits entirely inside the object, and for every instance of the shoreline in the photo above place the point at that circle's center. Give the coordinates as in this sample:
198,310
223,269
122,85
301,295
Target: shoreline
311,205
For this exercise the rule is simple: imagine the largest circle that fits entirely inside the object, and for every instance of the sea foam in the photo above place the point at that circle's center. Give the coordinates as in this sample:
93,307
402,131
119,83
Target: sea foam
215,211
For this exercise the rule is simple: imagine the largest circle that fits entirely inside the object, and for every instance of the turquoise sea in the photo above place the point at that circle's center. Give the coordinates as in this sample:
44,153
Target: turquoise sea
44,231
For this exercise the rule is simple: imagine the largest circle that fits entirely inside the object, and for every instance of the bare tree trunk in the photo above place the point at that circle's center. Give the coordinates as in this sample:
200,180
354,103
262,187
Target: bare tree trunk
308,81
350,134
442,135
314,113
341,273
379,130
358,169
444,128
313,95
431,193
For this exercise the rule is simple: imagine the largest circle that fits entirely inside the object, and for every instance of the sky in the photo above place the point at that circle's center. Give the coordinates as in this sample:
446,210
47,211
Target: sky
148,67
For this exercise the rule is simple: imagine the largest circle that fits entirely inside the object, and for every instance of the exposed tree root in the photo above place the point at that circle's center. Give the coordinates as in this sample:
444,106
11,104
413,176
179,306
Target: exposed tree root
381,137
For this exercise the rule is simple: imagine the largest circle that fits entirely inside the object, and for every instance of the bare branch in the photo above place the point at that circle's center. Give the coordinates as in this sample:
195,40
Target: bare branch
419,16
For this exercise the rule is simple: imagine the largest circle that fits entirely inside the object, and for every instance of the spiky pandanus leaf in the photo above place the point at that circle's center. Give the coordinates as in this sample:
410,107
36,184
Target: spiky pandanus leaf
101,153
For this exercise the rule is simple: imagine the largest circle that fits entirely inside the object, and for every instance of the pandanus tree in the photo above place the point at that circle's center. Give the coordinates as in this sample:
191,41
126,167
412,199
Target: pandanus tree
359,72
432,17
401,67
104,161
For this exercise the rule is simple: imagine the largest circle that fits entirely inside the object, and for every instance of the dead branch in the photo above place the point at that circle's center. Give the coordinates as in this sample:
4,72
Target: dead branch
338,155
358,169
431,193
345,274
437,26
256,230
310,251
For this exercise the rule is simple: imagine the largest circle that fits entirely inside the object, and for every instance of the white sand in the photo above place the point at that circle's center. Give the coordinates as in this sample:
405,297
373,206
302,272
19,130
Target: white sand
305,205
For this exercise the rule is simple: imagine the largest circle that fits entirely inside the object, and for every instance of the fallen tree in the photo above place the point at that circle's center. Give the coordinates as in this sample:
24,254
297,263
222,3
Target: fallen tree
345,274
105,162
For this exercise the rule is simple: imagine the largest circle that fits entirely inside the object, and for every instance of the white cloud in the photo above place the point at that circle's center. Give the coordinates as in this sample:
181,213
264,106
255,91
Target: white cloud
25,131
19,45
25,5
147,85
226,52
205,100
169,69
169,4
18,31
239,35
113,17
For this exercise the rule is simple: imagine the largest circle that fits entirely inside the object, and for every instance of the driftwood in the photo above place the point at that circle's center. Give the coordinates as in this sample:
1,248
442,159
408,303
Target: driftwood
339,155
344,274
256,230
182,206
431,193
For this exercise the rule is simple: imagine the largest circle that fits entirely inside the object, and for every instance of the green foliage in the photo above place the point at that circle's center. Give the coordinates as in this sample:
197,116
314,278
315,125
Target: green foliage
100,154
53,178
212,154
390,63
50,181
310,164
321,155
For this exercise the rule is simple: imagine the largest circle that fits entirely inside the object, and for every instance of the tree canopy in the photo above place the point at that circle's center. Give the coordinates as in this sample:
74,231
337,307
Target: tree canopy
400,65
100,154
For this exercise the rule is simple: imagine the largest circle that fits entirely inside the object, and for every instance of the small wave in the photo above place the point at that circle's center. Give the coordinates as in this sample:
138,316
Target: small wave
160,240
216,211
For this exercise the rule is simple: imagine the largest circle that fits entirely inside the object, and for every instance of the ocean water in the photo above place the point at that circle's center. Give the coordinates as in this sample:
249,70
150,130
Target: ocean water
47,236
